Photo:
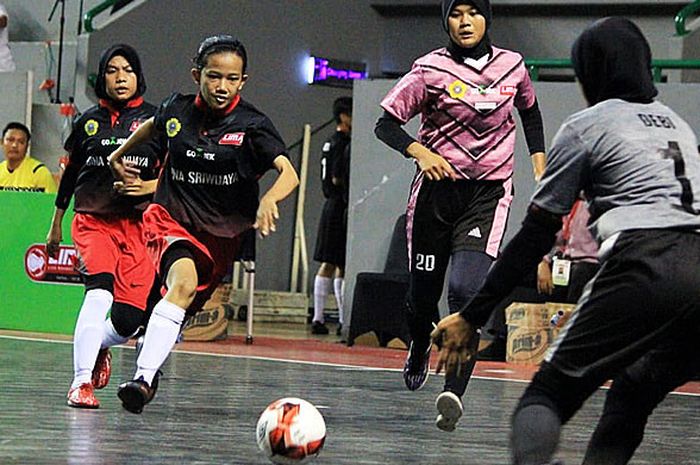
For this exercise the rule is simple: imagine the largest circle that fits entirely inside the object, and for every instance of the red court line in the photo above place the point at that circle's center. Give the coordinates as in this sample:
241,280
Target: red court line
315,351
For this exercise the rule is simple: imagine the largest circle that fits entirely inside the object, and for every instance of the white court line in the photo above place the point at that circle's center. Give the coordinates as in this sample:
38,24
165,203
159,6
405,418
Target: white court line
305,362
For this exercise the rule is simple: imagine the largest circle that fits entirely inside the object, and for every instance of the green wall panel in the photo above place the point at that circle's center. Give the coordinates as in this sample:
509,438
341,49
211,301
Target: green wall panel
25,304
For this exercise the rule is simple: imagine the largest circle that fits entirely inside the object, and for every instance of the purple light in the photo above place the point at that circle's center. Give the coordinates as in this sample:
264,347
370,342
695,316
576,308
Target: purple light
336,72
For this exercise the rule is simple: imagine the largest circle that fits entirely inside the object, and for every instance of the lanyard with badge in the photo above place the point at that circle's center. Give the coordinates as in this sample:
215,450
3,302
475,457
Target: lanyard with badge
561,267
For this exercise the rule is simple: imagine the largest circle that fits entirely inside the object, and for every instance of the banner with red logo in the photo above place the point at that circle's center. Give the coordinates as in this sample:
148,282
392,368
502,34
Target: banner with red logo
42,268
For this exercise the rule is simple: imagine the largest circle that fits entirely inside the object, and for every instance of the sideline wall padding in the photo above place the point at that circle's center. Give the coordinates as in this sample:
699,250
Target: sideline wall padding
24,304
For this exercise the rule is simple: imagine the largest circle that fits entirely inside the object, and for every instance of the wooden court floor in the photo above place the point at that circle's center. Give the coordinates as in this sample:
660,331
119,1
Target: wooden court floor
210,397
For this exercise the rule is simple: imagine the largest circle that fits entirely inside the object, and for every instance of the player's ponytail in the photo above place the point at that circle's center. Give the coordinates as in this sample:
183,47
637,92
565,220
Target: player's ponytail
216,44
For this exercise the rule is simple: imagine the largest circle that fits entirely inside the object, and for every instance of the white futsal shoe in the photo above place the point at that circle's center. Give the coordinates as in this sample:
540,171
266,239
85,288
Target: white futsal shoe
450,410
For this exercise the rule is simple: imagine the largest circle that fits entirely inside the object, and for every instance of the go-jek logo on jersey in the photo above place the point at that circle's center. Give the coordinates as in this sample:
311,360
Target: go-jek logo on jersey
42,268
232,138
113,141
172,127
91,127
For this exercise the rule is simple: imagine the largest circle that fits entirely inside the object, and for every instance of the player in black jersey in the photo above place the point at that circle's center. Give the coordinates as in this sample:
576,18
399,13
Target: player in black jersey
107,225
207,195
332,229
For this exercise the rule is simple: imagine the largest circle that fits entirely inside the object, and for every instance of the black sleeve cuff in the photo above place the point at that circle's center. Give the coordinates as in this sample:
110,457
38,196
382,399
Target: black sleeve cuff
533,127
67,186
388,129
523,253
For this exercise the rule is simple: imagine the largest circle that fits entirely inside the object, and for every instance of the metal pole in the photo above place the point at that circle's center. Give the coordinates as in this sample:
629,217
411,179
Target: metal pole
250,278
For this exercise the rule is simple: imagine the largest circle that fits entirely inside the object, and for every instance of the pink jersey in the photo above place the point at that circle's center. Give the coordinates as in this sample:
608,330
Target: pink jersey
466,112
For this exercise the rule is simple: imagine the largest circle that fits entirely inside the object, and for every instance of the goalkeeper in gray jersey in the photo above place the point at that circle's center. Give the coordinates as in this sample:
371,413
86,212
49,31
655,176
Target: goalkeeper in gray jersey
638,320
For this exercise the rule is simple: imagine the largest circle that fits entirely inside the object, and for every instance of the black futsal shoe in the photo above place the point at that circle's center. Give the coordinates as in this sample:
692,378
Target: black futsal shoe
417,367
136,393
319,328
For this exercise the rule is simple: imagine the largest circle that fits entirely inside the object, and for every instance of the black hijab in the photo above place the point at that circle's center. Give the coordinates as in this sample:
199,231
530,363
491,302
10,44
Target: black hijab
612,59
480,49
132,57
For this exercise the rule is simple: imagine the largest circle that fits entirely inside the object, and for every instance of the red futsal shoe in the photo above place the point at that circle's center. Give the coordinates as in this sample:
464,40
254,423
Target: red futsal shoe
83,397
103,369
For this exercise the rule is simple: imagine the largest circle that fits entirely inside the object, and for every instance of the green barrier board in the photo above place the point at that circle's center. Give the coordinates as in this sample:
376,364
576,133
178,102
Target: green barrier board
44,304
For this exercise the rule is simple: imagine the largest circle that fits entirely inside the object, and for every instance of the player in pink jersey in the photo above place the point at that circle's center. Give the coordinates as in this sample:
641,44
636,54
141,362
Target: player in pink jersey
462,190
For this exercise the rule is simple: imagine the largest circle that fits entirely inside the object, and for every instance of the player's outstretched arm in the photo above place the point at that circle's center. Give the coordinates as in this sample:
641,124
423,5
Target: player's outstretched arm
286,182
122,171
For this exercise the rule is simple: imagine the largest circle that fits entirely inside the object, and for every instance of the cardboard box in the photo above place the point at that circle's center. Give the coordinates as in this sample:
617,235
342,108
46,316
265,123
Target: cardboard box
531,330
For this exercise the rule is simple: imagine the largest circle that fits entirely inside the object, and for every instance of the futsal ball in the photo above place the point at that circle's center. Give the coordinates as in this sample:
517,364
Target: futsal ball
291,431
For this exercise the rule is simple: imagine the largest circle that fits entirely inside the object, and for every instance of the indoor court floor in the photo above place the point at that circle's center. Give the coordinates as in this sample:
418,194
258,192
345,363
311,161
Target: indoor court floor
211,395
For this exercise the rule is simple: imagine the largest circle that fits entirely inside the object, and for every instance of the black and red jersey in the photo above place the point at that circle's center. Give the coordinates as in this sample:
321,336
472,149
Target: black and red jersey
209,181
95,135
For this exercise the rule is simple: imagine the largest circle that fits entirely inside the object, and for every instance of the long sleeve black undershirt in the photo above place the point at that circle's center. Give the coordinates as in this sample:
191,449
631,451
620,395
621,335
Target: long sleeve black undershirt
66,188
531,119
388,129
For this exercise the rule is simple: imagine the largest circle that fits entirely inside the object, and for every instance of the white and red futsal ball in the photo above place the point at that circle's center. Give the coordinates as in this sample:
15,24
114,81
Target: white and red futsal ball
291,431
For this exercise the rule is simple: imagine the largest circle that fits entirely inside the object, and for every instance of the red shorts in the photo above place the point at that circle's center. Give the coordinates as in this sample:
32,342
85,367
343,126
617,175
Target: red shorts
115,246
212,254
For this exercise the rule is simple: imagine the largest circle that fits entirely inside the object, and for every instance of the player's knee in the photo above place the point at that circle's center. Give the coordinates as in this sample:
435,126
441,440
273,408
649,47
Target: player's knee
127,319
104,281
467,276
182,290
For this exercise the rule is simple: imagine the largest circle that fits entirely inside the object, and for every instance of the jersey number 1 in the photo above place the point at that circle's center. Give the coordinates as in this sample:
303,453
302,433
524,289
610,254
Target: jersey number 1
673,151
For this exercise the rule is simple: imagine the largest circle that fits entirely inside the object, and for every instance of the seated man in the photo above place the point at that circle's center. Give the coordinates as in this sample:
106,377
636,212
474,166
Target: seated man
19,171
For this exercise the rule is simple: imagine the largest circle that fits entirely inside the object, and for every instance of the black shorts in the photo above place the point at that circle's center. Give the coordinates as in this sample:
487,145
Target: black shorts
450,216
332,233
645,297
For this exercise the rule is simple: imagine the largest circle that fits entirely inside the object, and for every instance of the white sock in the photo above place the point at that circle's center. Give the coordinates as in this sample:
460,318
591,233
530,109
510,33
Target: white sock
322,287
339,288
87,337
110,336
161,334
